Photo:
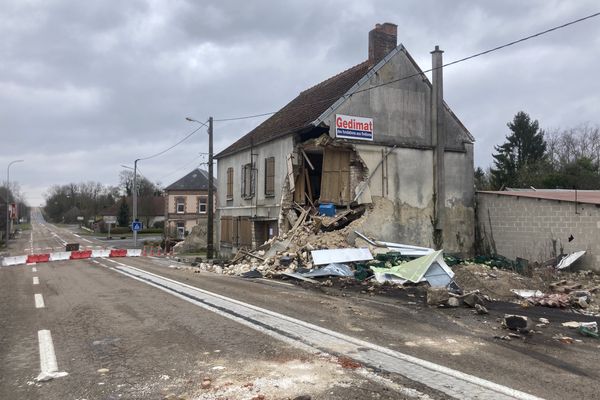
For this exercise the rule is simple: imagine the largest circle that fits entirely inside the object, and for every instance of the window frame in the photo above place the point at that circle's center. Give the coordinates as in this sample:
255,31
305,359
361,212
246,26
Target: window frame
230,183
270,177
248,181
179,201
201,203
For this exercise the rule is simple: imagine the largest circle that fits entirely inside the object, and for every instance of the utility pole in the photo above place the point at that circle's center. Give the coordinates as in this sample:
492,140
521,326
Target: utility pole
210,213
135,200
210,222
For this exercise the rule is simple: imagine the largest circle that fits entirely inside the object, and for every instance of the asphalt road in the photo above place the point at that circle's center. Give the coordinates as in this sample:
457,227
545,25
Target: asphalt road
122,336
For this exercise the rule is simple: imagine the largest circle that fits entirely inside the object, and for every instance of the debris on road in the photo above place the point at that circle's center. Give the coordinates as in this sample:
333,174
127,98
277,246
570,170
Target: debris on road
518,323
568,260
333,269
431,268
328,256
527,293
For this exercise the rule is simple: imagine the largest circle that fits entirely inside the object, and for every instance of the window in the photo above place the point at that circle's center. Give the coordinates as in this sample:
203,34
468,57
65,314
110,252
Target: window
180,230
247,181
202,204
230,183
270,176
180,205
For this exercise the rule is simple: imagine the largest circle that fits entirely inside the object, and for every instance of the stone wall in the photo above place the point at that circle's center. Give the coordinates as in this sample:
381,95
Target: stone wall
538,229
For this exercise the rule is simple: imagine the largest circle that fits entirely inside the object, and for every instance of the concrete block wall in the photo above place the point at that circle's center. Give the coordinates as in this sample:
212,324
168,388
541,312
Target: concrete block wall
538,229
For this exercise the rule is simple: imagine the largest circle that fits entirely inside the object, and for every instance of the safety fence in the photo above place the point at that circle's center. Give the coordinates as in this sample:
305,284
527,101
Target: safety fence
70,255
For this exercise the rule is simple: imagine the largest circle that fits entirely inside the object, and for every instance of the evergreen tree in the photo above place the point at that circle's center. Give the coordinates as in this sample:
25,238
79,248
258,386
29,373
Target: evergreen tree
123,216
523,151
482,179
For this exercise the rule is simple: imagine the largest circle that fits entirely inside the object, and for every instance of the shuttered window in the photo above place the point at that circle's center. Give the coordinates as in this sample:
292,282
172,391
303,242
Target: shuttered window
247,181
230,183
270,176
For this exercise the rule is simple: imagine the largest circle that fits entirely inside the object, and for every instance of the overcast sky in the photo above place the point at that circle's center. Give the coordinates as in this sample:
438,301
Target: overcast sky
86,86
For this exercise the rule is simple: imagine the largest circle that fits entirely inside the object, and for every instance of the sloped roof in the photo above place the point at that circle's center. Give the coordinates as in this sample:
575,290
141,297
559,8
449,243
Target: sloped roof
195,180
581,196
301,111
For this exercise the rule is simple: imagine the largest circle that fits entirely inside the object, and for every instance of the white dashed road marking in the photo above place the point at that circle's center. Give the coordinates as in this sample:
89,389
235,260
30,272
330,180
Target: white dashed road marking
318,339
36,280
48,364
39,301
33,269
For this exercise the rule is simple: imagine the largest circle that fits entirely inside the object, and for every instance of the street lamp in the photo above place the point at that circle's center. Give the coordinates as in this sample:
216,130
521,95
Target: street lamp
210,216
7,199
134,198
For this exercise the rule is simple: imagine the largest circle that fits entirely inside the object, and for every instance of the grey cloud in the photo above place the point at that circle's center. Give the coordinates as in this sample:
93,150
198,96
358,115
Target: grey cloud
87,86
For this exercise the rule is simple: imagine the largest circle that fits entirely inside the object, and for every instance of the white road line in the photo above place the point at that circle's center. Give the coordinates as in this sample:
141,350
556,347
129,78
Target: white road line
36,280
85,240
48,364
318,339
33,269
39,301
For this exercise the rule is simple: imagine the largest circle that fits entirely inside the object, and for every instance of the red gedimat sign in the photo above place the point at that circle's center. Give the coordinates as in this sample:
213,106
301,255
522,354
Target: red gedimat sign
349,127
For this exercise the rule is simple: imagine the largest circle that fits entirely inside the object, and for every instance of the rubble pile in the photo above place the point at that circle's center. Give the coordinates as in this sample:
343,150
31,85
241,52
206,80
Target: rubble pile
319,246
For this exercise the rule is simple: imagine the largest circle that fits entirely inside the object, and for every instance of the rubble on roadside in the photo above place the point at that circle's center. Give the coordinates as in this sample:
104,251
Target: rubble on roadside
331,250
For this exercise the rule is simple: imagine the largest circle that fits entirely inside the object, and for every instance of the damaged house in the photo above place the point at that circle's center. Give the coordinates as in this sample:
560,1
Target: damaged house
378,134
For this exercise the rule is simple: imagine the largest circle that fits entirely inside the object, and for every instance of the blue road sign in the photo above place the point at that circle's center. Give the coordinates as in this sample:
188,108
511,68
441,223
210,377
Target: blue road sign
136,226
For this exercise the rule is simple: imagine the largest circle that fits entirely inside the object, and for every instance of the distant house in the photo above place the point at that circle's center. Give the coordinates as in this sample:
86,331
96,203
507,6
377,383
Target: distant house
186,204
541,224
377,133
151,210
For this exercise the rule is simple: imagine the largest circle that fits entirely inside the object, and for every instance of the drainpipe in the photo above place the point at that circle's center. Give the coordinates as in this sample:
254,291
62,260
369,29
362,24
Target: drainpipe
438,138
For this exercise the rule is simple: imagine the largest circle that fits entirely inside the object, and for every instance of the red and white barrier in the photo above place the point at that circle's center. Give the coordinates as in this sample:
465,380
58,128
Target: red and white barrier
69,255
17,260
134,252
60,256
104,253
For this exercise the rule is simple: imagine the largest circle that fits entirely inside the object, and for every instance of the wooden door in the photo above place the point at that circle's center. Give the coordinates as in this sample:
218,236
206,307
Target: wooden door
335,178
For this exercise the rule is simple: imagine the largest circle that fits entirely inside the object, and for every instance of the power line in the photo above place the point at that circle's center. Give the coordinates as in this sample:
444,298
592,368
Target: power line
176,144
195,160
245,117
514,42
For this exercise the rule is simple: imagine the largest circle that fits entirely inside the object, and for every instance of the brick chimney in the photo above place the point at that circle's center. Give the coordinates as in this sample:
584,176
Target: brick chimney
382,40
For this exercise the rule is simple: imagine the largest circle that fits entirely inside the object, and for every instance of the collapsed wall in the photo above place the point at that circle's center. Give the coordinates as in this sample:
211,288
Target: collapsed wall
391,181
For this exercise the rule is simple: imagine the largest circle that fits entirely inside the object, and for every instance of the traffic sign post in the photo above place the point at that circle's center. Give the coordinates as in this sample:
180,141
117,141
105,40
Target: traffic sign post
136,226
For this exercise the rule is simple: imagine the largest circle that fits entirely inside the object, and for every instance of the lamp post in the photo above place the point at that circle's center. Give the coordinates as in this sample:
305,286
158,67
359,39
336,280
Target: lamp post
7,198
134,200
210,214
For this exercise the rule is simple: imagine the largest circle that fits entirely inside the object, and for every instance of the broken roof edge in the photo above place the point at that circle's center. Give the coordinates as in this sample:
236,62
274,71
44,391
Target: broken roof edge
291,131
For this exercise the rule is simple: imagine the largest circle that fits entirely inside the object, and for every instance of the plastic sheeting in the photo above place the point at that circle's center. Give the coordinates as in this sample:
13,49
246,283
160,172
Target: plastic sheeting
331,270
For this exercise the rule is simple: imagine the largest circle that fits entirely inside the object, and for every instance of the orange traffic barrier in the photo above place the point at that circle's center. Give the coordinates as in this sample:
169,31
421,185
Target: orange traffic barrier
36,258
79,255
144,252
118,253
